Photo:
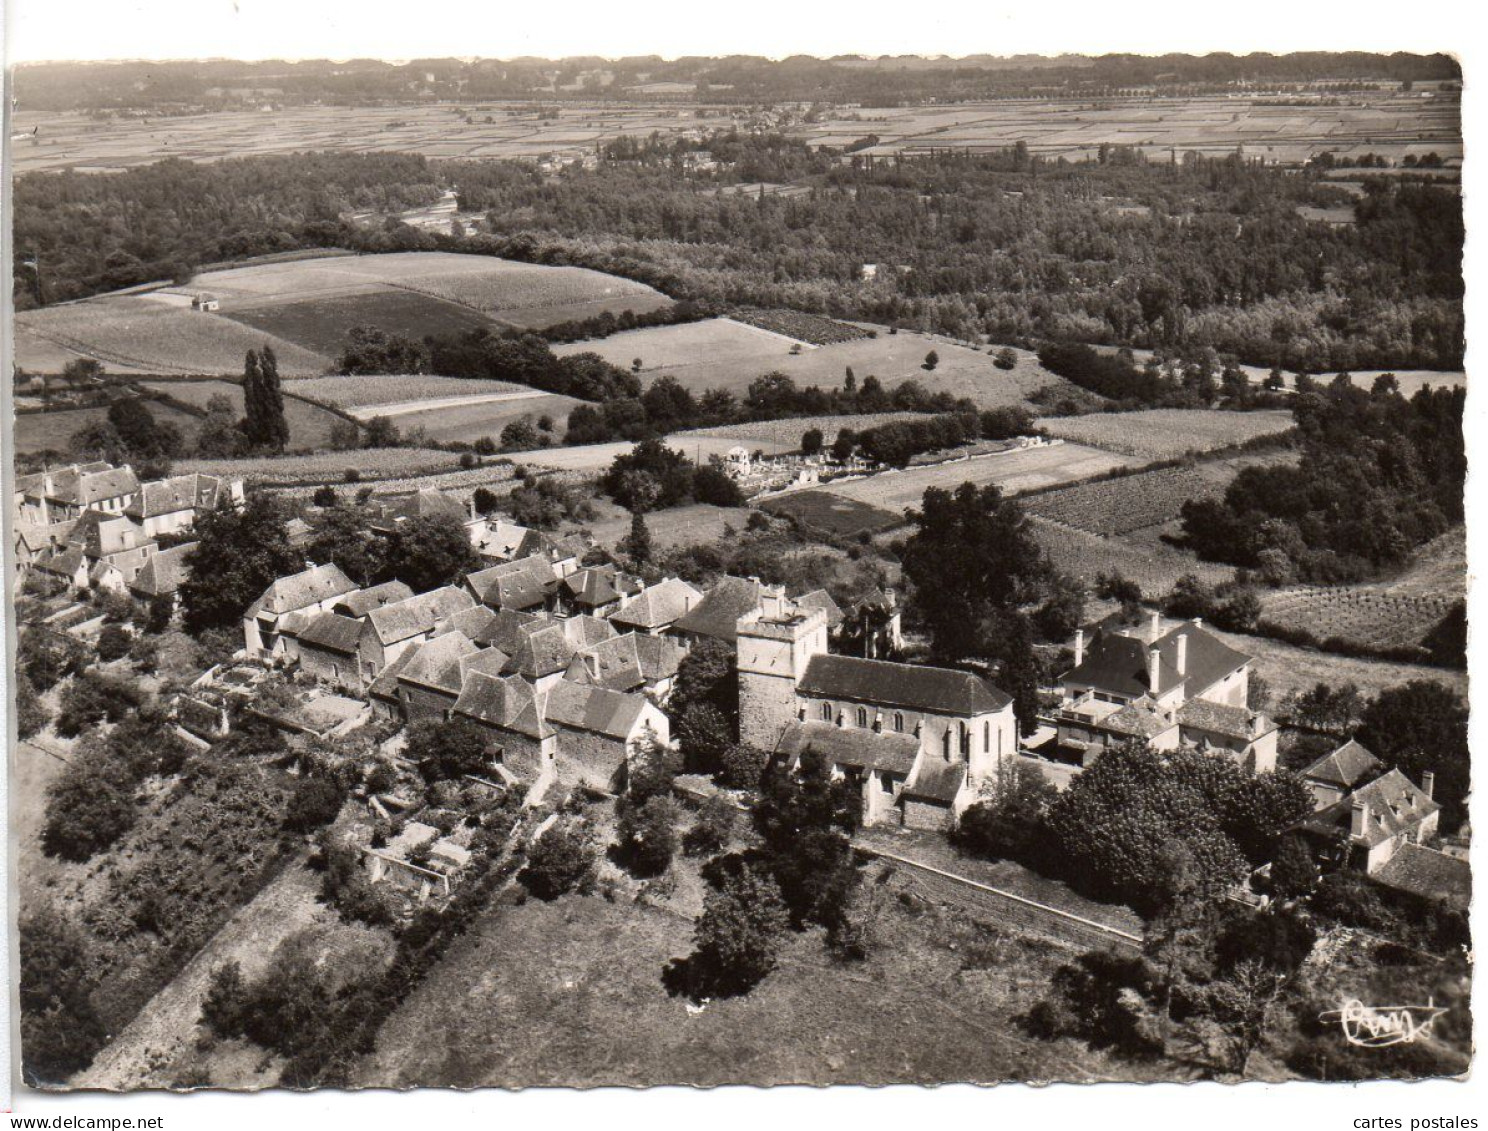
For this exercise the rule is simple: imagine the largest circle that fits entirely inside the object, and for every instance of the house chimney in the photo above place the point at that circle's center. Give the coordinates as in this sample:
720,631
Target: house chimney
1152,676
1079,646
1358,817
1428,784
1156,625
1183,654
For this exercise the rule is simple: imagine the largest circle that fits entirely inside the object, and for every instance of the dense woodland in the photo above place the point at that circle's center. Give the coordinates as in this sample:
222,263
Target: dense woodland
1207,253
737,80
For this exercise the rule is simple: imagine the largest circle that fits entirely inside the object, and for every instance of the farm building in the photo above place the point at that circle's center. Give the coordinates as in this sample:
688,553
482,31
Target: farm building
205,302
289,603
1366,828
1335,775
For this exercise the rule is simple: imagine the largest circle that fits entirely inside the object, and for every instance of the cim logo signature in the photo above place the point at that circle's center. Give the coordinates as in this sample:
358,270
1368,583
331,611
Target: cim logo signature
1379,1026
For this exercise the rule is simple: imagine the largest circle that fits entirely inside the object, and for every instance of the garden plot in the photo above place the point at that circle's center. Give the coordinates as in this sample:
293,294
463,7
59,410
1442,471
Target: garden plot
1167,433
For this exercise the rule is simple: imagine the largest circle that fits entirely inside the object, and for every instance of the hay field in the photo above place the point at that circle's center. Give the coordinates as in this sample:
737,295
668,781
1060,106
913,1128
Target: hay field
322,324
360,391
153,337
468,421
827,510
309,425
1014,471
720,353
1167,433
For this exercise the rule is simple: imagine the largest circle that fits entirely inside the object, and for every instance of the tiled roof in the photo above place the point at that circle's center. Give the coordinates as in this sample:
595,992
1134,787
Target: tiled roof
852,746
1222,719
1392,804
583,630
163,572
436,663
596,586
99,486
301,590
505,702
504,630
821,599
178,493
717,614
916,686
580,706
658,605
1118,664
332,632
363,601
541,649
626,663
65,564
935,779
1426,872
500,539
521,584
1348,766
1141,719
417,615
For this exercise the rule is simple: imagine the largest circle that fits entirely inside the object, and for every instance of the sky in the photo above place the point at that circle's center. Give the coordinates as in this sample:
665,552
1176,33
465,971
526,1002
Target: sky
400,29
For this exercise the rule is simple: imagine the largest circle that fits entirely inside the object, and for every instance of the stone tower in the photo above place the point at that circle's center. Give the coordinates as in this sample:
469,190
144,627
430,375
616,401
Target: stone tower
775,643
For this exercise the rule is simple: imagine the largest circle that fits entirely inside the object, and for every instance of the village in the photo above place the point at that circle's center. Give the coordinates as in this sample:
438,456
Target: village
567,670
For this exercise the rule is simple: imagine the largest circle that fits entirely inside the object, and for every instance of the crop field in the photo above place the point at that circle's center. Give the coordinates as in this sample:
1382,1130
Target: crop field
831,512
468,420
53,431
1147,499
691,525
134,332
810,328
1167,433
309,425
363,391
1014,471
790,431
1384,122
329,467
721,353
1155,566
321,326
1391,614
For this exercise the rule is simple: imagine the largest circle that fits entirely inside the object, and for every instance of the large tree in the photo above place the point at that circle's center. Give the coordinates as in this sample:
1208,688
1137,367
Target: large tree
1419,727
428,551
239,554
264,425
972,560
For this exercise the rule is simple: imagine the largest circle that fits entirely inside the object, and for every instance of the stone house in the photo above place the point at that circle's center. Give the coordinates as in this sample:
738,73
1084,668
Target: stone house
1337,774
429,682
633,661
596,591
1368,826
524,585
166,506
162,573
508,706
271,622
716,616
656,608
599,730
329,649
358,604
54,496
394,627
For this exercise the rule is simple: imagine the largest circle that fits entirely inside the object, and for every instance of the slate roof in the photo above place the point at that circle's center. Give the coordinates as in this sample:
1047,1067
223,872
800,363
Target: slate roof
717,614
506,702
584,630
500,539
1394,805
385,686
426,503
505,628
521,584
1118,664
936,780
580,706
1348,766
99,486
658,605
36,536
332,632
65,564
597,586
629,662
301,590
64,480
178,493
417,615
821,599
363,601
1426,872
541,649
164,572
916,686
854,747
444,662
1138,720
1223,719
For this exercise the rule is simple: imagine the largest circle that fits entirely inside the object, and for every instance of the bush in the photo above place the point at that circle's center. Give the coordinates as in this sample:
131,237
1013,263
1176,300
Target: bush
113,643
32,715
61,1031
92,699
648,837
314,803
713,827
562,861
89,807
741,766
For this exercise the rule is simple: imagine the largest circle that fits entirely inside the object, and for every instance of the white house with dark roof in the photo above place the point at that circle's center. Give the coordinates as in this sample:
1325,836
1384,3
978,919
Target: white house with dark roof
288,605
166,506
1338,773
54,495
1368,826
921,742
1167,685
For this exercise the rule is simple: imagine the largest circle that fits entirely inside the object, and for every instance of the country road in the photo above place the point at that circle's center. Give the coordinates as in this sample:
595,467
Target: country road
406,408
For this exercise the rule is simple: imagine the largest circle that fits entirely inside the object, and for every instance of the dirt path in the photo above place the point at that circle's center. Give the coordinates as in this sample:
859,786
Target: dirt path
406,408
168,1021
